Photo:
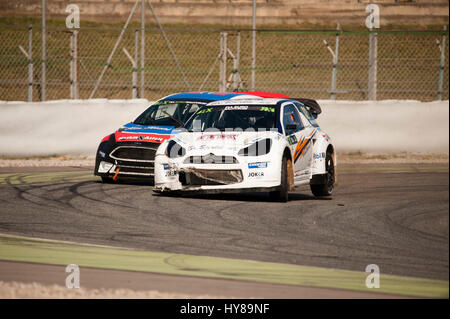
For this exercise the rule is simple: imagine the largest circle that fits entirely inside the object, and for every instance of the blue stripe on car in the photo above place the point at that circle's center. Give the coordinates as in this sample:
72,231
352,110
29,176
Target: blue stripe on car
209,96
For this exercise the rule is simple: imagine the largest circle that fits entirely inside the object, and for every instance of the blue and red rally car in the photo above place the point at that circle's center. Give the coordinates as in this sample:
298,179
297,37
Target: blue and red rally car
130,151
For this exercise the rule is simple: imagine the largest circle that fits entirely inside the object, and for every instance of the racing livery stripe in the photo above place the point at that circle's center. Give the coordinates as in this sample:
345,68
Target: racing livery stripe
303,145
153,138
106,138
210,96
149,129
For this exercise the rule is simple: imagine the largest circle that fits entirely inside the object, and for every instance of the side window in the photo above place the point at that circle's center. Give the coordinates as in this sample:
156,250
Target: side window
302,109
291,120
187,110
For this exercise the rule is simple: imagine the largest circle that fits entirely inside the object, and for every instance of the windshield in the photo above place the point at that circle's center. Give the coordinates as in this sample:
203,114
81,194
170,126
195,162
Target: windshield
232,117
170,113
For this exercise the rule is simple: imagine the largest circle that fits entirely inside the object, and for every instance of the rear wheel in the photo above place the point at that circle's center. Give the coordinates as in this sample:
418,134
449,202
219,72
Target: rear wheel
326,188
282,194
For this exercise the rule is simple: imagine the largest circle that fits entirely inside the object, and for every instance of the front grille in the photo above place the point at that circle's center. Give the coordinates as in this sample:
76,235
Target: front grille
144,165
132,170
200,177
134,160
211,159
133,153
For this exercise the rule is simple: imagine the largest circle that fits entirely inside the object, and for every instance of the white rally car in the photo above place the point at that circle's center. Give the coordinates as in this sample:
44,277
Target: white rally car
268,145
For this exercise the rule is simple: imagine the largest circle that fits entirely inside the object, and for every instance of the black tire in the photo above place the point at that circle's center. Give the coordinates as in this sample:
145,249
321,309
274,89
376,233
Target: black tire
107,180
327,188
282,194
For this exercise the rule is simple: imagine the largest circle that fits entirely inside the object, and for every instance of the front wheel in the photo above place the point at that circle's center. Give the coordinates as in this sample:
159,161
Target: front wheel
282,193
326,188
107,180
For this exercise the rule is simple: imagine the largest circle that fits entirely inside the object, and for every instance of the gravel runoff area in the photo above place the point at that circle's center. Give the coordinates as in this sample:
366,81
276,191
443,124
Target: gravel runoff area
348,158
16,290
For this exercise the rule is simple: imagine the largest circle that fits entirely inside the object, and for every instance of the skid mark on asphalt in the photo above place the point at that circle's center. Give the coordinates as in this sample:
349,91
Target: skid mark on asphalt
394,220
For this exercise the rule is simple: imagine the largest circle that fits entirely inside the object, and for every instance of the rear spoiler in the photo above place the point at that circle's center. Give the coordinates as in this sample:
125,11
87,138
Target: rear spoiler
312,106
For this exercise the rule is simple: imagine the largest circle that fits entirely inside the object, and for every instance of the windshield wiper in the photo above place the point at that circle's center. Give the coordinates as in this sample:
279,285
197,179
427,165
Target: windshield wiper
176,120
146,121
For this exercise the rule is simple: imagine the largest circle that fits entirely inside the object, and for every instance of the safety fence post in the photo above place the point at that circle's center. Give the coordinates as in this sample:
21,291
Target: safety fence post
441,65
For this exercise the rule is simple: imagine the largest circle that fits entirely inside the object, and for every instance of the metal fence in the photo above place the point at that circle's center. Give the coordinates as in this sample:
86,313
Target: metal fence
315,64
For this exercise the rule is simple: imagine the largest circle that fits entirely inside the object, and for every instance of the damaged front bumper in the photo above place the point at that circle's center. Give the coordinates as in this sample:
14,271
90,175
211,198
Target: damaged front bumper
210,178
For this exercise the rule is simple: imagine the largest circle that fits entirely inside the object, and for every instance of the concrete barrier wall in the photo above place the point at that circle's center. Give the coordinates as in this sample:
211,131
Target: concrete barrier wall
75,128
387,126
62,127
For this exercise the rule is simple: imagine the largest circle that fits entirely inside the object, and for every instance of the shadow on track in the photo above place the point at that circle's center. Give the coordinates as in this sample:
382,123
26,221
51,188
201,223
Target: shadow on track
128,182
244,197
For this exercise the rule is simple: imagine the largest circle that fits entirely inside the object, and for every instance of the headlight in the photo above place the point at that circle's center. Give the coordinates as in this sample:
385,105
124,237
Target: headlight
175,150
104,167
257,149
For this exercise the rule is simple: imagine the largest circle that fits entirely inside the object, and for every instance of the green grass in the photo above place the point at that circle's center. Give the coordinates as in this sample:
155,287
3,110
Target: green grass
294,63
50,177
13,248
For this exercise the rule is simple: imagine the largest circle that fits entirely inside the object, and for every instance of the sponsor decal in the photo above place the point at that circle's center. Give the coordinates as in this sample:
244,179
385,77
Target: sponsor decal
236,107
292,140
258,165
168,102
319,155
141,138
217,137
102,154
170,173
268,109
255,174
205,110
155,138
160,128
207,147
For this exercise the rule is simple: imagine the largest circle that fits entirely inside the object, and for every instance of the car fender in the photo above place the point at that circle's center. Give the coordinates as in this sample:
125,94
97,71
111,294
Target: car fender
321,143
280,147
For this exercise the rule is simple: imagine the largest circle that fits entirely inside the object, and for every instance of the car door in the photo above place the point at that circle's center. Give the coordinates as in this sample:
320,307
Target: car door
298,138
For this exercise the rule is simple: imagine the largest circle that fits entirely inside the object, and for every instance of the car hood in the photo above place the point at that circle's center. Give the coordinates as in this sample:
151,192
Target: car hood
199,142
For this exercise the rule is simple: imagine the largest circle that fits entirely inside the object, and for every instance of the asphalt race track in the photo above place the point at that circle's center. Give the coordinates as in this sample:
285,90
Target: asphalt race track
395,216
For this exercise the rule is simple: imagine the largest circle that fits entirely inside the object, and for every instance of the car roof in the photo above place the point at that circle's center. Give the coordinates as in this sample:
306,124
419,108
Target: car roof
253,101
267,94
206,96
